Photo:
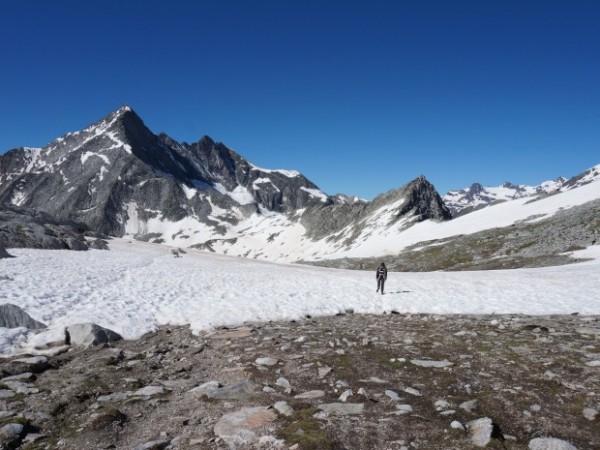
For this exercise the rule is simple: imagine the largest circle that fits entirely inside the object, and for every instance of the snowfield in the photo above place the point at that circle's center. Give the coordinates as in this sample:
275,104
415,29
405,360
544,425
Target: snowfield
137,286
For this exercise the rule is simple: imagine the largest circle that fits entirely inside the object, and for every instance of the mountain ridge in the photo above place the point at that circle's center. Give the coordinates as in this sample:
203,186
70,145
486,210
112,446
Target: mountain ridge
120,179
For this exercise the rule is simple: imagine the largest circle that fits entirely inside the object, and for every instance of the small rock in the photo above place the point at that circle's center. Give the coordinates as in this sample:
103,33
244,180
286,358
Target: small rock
595,363
345,395
324,371
11,435
342,409
403,409
283,382
35,364
590,413
268,390
267,361
311,394
482,431
392,395
468,406
153,445
550,444
413,391
149,391
457,425
428,363
283,408
441,405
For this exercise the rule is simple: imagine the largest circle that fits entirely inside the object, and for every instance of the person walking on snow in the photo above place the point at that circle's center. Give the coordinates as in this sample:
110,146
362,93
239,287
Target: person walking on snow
381,276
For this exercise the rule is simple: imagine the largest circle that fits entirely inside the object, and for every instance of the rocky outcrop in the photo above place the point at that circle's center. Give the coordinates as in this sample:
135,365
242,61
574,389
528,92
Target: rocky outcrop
22,227
89,335
12,316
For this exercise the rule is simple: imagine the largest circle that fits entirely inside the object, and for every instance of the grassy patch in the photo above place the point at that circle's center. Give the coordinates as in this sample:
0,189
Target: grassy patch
306,431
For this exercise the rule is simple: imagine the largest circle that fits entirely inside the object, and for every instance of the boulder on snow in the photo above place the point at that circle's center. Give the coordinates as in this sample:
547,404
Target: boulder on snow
89,335
99,244
12,316
4,253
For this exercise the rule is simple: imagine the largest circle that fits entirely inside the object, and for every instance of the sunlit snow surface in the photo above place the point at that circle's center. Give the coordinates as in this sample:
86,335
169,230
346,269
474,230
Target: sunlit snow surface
136,286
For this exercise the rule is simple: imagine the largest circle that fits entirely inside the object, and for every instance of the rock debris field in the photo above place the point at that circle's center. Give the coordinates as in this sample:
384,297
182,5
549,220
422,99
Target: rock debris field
350,381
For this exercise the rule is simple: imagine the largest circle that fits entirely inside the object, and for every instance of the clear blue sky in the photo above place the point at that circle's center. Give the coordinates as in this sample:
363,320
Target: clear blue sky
361,97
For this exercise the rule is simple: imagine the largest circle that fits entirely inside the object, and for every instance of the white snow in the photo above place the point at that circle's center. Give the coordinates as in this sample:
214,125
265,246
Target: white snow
86,155
240,194
315,193
136,286
287,173
499,215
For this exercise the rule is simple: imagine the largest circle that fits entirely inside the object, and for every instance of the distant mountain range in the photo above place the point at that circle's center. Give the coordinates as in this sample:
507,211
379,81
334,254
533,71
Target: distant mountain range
118,178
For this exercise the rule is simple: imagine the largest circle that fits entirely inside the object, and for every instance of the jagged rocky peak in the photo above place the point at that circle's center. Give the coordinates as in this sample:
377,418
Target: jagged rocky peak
417,199
424,201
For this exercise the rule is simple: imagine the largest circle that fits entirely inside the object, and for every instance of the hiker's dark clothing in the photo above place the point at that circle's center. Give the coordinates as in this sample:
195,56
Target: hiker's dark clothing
381,276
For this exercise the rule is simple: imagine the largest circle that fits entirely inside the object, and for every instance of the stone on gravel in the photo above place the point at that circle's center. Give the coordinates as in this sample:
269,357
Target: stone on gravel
469,405
240,391
11,435
311,394
266,361
428,363
347,393
240,427
482,431
153,445
392,395
590,413
89,335
550,444
283,382
149,391
34,364
283,408
457,425
324,371
413,391
342,409
403,409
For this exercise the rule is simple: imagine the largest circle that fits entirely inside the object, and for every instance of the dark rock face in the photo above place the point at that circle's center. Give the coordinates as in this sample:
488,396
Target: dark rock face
28,228
12,316
4,253
424,201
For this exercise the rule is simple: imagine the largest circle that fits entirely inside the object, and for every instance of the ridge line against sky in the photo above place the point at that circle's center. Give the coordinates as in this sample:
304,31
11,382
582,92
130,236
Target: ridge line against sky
360,97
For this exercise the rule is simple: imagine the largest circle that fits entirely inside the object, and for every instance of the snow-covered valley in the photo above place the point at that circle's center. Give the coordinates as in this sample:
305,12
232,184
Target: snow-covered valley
136,286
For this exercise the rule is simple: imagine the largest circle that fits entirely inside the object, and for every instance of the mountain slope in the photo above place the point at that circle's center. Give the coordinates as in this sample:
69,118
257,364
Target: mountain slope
120,179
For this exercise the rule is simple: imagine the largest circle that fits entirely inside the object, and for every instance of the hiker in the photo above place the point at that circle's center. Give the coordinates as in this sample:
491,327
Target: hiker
381,276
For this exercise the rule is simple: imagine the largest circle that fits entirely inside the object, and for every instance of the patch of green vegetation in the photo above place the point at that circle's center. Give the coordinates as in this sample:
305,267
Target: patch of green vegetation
306,431
18,420
383,357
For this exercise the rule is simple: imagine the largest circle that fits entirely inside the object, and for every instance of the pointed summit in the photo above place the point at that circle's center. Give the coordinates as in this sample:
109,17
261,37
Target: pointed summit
424,201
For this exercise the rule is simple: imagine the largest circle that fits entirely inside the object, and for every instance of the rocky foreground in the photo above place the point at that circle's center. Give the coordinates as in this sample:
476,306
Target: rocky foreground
344,382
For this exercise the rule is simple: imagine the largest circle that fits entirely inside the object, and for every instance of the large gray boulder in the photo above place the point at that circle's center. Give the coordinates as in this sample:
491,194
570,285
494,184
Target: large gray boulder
89,335
12,316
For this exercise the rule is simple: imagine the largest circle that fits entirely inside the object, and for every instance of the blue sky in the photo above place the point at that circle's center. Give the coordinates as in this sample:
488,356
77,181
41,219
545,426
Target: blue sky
360,97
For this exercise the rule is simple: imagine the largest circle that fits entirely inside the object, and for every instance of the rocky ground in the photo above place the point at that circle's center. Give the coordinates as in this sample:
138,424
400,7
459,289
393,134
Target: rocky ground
343,382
